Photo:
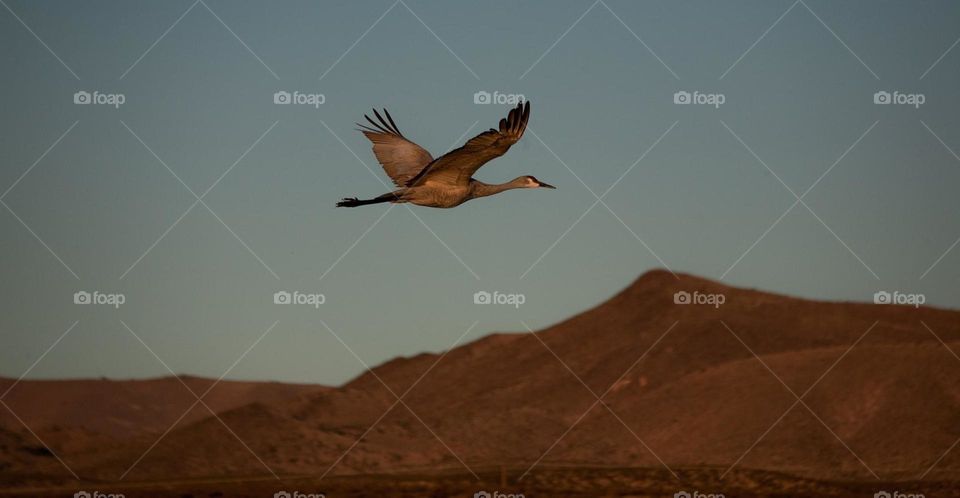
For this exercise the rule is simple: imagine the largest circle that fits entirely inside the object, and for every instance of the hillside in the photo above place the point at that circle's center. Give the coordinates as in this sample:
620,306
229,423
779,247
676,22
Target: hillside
684,379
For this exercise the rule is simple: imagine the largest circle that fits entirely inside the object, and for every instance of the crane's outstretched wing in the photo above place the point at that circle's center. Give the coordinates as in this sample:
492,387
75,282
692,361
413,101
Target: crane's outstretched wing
457,166
401,159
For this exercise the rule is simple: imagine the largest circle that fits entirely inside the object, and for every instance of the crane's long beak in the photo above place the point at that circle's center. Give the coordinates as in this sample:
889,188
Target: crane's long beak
546,185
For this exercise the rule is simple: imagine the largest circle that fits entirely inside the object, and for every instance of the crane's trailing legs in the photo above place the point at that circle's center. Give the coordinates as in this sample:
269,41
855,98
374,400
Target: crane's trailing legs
354,202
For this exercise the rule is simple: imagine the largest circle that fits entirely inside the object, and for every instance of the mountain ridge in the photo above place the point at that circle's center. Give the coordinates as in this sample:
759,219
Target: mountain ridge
685,384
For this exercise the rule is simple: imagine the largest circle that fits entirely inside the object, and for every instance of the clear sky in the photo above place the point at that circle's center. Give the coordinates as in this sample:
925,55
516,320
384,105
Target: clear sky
695,187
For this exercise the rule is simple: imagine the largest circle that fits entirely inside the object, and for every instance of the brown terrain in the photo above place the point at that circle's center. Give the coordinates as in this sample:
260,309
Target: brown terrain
694,397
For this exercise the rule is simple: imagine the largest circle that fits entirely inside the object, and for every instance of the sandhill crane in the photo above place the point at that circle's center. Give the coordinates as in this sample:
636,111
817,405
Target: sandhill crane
447,181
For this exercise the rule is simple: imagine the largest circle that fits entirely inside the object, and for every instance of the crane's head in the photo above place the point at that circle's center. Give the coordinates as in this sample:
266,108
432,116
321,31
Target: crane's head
531,182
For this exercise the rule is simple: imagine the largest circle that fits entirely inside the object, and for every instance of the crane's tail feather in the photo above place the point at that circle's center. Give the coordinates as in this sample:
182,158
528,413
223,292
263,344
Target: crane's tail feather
354,202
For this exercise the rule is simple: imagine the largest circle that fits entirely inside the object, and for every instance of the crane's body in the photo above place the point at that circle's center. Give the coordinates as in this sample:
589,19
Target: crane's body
447,181
434,195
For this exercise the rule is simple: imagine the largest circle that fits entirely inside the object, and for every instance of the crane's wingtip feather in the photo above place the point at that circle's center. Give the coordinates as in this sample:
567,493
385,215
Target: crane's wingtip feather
374,123
392,123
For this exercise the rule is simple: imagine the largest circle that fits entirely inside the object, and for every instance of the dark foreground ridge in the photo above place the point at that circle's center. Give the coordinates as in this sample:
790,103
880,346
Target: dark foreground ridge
549,481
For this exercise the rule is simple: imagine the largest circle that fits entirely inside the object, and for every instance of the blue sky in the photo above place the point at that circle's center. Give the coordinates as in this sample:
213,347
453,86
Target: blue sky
112,206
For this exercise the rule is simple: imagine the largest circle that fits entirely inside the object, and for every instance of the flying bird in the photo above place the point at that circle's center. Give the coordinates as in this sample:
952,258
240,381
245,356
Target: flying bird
447,181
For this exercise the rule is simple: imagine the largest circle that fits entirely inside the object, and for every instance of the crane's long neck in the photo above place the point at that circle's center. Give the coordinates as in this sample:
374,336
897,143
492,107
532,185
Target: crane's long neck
481,189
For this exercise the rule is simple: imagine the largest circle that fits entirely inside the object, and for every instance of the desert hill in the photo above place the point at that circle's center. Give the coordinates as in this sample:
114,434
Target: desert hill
123,408
698,384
